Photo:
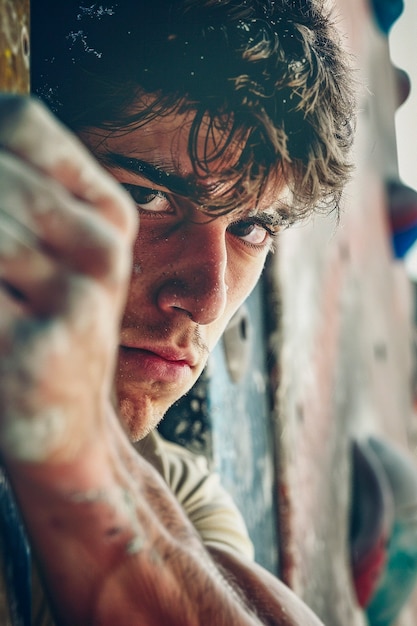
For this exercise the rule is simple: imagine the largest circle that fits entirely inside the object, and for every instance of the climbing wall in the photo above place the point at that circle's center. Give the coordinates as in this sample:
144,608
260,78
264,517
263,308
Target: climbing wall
344,366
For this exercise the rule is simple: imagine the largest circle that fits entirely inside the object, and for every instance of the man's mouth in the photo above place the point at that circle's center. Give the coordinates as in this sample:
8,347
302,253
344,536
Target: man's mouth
174,354
157,364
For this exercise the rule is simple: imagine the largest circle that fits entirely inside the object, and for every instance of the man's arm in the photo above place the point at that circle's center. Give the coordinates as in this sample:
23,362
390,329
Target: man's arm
113,544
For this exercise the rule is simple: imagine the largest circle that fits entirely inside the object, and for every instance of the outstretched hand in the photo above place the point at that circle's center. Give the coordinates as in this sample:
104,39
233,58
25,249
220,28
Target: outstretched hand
66,232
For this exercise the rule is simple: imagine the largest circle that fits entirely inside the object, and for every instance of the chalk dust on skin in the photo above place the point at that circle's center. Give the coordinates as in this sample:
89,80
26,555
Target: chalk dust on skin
29,439
24,125
47,371
31,426
10,239
26,439
18,247
120,507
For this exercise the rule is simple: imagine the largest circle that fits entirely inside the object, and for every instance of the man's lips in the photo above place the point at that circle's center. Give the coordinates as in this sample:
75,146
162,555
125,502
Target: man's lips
171,355
156,364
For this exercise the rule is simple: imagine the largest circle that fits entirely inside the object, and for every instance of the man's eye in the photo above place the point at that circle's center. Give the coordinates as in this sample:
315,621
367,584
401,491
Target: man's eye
251,232
151,200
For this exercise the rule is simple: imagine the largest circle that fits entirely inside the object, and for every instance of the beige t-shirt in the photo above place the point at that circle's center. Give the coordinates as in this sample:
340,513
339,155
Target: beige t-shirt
207,505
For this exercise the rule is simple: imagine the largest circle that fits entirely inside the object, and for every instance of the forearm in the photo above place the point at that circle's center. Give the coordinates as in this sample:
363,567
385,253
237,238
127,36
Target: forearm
116,548
110,535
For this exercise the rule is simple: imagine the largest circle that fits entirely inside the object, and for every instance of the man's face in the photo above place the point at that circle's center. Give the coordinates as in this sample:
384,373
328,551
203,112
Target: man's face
190,274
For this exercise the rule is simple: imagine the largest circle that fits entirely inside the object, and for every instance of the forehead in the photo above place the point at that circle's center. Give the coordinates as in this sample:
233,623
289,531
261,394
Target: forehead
164,143
167,139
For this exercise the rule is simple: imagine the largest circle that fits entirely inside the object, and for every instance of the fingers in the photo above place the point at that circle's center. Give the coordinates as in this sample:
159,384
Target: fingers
28,277
59,224
19,258
28,130
46,237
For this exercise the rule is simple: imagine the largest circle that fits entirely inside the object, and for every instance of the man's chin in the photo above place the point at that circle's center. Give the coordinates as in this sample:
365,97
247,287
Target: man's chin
139,421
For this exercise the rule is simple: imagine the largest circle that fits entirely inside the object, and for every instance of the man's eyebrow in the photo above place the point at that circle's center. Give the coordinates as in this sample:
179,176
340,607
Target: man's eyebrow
265,218
172,182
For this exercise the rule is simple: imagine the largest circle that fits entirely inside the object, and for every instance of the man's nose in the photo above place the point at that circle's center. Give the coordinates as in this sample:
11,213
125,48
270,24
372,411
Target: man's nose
196,283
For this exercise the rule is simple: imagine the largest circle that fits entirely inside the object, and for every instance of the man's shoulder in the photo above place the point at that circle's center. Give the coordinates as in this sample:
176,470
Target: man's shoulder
199,491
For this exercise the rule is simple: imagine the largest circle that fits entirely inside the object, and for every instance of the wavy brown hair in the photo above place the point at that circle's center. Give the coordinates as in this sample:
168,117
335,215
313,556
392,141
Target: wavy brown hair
269,75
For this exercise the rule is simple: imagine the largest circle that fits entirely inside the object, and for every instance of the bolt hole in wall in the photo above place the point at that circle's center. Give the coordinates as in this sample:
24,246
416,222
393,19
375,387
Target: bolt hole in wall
25,45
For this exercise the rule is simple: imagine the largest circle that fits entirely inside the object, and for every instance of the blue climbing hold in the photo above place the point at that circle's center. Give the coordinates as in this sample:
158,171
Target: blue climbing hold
387,12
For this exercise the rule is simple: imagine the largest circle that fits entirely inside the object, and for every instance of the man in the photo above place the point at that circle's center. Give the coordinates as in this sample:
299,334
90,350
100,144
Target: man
222,121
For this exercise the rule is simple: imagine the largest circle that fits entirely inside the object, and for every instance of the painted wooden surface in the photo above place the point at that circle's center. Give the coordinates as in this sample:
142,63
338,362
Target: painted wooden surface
346,344
229,421
14,45
243,435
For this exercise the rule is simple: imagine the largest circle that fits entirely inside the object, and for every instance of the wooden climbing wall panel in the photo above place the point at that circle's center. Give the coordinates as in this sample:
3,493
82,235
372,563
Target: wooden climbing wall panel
346,334
14,45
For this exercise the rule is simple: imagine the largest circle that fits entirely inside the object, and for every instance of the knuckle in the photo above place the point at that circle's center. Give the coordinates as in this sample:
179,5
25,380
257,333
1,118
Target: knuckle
103,252
113,259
